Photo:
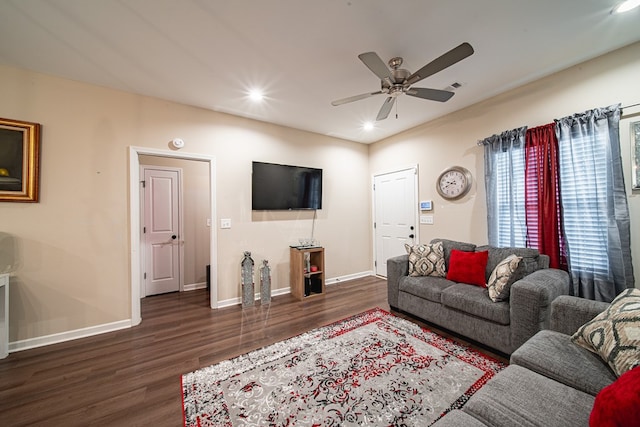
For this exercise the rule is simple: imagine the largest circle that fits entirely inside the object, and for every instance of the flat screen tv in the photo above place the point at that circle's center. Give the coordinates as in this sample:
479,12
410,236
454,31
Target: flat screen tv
284,187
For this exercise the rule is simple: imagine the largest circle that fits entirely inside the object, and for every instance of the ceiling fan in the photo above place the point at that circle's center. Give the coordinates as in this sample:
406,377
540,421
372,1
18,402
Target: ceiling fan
395,80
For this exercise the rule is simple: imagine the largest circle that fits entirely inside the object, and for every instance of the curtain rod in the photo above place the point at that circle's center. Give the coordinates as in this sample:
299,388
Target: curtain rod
481,141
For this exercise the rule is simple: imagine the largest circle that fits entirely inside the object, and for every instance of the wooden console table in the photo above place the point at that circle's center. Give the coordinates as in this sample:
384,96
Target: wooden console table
304,282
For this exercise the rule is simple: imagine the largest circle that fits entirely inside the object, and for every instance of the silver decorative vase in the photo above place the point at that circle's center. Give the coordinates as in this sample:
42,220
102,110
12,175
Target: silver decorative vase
265,282
248,293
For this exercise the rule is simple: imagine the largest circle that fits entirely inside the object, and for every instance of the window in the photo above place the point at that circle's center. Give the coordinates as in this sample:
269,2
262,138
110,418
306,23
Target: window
583,177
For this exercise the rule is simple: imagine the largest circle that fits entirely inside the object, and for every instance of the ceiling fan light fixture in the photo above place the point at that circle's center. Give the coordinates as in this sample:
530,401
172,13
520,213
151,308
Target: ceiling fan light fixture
625,6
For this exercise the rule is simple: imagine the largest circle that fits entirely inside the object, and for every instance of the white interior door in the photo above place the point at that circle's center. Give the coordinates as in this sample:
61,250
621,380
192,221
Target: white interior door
161,230
395,210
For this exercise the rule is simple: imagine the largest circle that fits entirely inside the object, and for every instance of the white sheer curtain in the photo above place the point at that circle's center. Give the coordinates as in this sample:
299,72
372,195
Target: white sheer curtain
594,203
504,167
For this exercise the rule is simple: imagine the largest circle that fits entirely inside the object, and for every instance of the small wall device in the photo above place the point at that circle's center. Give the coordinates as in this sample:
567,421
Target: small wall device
177,143
426,205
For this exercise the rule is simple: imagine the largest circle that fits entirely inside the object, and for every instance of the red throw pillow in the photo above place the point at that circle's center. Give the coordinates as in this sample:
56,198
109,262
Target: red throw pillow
618,404
468,267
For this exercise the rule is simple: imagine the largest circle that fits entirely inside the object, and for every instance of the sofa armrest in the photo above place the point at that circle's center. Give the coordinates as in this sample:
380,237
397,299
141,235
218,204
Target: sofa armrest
396,268
568,313
530,302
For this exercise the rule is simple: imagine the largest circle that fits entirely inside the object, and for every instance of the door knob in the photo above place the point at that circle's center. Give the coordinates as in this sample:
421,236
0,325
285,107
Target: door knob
411,236
174,237
411,228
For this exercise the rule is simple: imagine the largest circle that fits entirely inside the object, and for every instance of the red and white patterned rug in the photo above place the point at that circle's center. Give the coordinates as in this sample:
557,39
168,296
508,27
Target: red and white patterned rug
372,369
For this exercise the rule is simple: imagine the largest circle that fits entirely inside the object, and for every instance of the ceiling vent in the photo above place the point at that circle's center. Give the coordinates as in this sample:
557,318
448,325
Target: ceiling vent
453,86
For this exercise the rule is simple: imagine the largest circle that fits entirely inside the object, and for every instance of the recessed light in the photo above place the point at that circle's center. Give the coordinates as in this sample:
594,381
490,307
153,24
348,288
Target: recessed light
625,6
367,126
256,95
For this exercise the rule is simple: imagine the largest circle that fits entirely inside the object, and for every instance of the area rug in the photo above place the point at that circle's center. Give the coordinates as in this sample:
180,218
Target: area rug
372,369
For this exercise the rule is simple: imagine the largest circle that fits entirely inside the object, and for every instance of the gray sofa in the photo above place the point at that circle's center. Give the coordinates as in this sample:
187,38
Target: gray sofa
467,310
550,381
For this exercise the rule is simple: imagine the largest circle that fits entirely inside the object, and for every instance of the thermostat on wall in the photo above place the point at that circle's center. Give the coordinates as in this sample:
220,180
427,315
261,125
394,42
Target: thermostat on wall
426,205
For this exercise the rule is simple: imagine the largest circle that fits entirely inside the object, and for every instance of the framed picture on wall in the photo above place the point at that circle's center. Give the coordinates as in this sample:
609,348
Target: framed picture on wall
19,161
635,144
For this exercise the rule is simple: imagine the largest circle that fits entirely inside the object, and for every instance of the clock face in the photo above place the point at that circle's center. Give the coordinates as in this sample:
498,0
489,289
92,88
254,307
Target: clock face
454,183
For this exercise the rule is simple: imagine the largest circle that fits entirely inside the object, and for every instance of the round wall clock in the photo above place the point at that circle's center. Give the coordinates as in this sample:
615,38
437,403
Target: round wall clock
454,183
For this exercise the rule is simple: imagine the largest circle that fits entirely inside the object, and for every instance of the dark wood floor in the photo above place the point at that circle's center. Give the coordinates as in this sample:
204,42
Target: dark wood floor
132,377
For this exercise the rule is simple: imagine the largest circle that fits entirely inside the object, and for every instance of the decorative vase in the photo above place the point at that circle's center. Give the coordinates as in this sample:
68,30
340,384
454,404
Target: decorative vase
265,282
248,293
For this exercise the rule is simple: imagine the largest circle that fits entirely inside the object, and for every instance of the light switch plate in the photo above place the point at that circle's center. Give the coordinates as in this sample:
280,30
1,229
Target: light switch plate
426,219
225,223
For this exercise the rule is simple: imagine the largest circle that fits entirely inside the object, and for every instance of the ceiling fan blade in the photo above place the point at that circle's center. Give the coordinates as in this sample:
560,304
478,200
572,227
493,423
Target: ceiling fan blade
377,65
431,94
448,59
354,98
386,108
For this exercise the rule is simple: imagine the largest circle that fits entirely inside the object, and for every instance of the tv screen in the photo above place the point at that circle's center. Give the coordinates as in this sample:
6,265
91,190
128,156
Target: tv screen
284,187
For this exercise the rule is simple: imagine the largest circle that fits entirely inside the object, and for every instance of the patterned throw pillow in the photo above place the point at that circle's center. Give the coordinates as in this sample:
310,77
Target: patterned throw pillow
614,334
426,260
502,277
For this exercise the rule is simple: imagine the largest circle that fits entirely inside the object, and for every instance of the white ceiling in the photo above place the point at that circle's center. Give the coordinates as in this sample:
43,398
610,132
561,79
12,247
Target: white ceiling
303,53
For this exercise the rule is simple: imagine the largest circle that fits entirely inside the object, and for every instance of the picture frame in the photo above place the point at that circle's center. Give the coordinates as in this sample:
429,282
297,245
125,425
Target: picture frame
19,161
635,154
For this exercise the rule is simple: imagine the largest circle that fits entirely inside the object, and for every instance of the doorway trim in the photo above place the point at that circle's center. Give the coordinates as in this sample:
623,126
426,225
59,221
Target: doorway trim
135,254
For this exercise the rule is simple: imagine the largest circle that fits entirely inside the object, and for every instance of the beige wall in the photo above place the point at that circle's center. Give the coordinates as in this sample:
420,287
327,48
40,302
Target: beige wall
70,252
604,81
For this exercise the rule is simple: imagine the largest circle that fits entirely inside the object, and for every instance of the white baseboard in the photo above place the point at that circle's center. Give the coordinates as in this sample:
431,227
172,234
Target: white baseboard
340,279
236,301
194,286
68,336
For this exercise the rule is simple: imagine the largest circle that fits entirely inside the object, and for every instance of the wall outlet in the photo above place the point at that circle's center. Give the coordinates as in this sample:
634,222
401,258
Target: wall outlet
426,219
225,223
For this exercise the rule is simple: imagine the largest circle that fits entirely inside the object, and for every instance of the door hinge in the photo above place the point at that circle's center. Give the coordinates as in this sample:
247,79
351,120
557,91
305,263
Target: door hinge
144,230
375,263
144,184
145,276
374,225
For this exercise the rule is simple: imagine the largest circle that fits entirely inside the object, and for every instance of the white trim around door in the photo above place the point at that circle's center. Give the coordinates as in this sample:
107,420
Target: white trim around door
134,222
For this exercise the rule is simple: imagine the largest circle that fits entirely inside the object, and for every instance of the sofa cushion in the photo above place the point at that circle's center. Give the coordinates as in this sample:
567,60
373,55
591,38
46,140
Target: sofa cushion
614,334
449,245
502,277
553,355
429,288
520,397
618,404
474,300
426,260
468,267
530,259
